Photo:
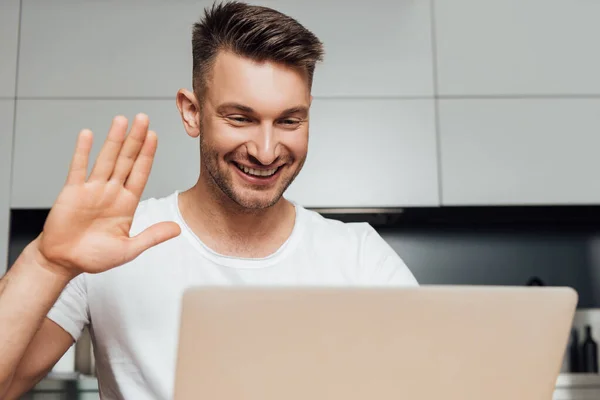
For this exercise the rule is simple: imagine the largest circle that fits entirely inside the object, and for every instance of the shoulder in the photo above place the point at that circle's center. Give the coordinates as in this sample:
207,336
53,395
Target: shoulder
148,212
153,210
344,233
376,262
348,233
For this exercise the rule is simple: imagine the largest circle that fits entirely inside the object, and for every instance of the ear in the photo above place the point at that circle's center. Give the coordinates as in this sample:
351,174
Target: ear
188,107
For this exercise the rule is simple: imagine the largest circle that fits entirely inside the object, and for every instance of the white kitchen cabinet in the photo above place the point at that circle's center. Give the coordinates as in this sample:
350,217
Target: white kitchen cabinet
577,387
362,153
6,136
369,153
383,48
520,151
576,394
517,47
9,32
46,131
90,48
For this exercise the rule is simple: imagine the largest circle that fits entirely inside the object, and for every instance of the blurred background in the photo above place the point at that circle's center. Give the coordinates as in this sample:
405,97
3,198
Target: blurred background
466,131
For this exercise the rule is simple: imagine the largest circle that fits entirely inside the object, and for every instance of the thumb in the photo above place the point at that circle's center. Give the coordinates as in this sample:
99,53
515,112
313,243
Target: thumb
151,236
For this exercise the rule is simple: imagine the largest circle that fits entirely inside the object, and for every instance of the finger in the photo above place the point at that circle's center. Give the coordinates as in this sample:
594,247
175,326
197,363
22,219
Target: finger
105,163
131,148
152,236
136,182
79,162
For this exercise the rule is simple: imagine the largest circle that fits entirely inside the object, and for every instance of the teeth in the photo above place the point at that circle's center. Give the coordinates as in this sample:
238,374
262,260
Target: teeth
257,172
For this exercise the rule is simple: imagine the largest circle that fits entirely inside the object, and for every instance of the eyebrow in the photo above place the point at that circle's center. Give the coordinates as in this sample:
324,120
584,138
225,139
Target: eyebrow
242,108
235,106
296,110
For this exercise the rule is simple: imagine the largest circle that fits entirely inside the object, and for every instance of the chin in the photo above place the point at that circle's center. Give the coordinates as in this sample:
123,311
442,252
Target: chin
256,202
257,198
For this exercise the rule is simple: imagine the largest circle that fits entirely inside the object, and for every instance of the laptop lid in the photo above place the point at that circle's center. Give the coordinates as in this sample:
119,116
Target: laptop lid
428,342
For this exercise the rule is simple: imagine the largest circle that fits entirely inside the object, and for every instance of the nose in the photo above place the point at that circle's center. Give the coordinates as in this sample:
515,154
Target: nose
264,145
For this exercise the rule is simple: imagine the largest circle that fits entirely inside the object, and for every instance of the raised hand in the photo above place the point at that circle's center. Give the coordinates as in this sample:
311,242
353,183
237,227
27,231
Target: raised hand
87,229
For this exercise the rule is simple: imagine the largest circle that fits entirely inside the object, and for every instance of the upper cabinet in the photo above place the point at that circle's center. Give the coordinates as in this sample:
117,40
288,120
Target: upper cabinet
9,33
6,136
520,151
362,153
46,131
373,140
517,47
379,49
112,49
369,153
88,48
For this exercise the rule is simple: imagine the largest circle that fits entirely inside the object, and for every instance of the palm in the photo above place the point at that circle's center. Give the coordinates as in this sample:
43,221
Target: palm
88,227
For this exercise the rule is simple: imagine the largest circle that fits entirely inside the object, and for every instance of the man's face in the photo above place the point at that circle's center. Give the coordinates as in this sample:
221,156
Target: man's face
254,129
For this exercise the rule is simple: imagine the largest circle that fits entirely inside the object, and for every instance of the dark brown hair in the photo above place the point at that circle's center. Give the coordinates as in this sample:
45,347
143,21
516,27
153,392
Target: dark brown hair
255,32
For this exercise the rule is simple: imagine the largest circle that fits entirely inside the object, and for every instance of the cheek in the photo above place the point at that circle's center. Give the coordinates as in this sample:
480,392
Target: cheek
297,143
223,138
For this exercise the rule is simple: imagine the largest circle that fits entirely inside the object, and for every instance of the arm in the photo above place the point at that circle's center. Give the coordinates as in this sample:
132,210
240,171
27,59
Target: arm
49,344
86,231
31,343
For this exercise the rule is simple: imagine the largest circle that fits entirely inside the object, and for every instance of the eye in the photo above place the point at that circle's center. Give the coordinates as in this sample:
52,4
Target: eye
290,122
238,119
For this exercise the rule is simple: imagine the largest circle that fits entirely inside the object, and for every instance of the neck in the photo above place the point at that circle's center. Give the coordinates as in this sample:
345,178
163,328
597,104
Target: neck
229,229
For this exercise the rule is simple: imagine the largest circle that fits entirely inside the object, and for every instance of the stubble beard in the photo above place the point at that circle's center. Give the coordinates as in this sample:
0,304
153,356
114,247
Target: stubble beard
222,181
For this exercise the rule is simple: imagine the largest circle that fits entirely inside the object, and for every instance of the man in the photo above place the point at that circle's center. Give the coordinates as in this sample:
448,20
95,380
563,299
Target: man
107,260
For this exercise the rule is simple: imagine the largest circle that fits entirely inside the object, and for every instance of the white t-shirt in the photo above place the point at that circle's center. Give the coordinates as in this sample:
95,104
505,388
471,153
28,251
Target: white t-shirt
133,310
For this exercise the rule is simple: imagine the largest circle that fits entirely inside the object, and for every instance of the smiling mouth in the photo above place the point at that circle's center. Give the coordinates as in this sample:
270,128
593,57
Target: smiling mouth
259,173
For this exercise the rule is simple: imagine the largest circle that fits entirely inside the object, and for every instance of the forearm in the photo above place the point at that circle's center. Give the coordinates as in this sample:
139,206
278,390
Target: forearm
27,292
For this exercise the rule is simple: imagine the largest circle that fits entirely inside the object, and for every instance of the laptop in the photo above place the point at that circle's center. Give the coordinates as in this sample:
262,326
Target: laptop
419,343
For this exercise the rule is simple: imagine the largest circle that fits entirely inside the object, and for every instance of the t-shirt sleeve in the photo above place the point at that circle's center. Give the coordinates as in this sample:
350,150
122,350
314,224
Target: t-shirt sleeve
381,265
71,310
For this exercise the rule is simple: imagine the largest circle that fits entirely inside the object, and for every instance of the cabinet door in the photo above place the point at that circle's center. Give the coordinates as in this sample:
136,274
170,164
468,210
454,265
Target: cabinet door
520,151
9,31
90,48
576,393
527,47
6,136
45,139
369,153
380,49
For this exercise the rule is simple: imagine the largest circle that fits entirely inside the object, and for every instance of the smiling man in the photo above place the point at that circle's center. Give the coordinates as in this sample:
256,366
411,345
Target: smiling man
119,265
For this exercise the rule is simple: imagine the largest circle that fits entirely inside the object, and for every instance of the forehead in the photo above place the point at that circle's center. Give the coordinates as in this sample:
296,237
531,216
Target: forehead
266,86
